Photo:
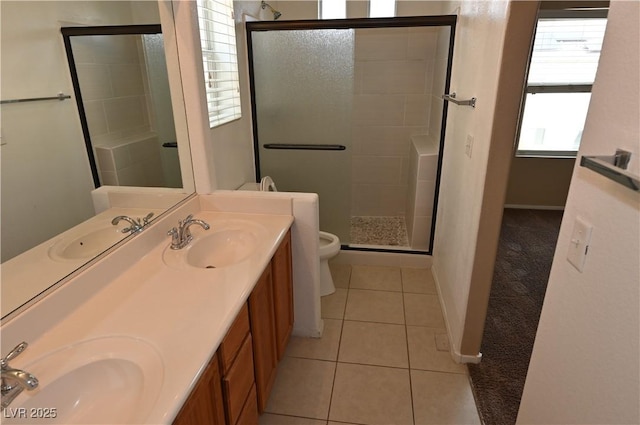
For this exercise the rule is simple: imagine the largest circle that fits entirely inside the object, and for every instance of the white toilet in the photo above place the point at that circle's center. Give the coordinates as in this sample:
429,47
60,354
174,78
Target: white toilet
329,243
329,248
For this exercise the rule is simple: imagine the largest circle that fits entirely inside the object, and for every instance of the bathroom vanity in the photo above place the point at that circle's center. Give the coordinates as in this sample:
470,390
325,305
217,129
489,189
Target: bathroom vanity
229,392
168,336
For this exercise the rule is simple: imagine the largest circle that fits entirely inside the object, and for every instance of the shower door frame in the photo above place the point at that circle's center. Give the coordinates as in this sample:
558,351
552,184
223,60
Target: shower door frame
396,22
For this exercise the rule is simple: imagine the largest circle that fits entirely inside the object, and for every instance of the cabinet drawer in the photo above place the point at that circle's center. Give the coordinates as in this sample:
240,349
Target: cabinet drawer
237,383
233,340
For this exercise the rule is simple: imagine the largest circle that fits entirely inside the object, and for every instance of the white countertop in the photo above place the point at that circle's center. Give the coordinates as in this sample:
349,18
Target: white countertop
182,313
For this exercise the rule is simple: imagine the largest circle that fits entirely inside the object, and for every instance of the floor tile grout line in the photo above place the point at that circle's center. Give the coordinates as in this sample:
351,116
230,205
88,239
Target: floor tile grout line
337,361
378,365
335,370
406,335
405,325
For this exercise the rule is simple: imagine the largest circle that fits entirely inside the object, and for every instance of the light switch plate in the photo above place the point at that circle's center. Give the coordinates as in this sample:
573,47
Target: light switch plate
579,243
468,147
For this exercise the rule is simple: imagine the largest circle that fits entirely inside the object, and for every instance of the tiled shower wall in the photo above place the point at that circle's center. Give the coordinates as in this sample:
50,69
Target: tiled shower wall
133,161
117,99
114,85
394,70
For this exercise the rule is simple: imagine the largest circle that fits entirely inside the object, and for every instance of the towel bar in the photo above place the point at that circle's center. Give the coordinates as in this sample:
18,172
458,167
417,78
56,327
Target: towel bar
613,167
452,98
60,96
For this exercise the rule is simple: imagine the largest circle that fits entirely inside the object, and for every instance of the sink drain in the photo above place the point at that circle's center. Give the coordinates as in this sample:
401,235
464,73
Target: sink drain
210,267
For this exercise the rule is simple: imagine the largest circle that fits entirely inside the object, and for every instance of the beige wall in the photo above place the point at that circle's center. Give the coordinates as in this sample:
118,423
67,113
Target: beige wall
539,182
511,76
480,36
584,367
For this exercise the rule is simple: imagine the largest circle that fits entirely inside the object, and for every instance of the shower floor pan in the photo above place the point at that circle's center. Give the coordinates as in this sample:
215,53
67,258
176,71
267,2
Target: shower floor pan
378,232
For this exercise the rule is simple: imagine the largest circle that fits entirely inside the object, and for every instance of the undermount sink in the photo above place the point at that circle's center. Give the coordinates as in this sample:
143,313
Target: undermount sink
104,380
87,245
224,245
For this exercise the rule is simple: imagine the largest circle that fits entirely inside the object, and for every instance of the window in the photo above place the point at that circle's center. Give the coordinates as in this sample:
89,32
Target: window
333,9
562,69
382,8
220,60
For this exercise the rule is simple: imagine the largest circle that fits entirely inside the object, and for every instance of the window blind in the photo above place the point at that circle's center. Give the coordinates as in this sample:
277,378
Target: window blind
220,60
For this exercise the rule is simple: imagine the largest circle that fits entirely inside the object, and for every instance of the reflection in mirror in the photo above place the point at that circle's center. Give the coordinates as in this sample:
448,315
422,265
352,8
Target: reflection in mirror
121,87
55,216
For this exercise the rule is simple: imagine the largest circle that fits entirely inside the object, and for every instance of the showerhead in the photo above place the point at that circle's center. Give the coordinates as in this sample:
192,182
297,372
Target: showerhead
276,14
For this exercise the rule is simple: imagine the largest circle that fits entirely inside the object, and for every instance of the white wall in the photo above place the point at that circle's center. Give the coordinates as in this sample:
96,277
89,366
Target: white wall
477,55
46,180
584,367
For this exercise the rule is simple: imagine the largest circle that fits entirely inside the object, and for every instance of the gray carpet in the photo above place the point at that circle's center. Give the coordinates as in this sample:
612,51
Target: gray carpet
525,253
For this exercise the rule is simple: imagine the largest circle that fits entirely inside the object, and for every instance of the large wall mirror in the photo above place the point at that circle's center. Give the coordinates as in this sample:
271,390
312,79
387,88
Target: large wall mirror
68,170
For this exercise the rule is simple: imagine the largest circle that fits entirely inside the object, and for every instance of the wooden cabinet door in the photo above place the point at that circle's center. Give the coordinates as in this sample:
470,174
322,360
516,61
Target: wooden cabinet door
249,415
283,294
205,404
265,357
238,383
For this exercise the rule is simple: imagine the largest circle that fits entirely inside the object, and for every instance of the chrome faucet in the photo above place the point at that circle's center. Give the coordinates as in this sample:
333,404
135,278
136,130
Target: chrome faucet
136,225
14,381
181,235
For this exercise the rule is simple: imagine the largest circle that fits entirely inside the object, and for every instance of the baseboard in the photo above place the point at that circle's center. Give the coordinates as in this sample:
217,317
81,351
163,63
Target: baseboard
389,259
463,358
534,207
453,351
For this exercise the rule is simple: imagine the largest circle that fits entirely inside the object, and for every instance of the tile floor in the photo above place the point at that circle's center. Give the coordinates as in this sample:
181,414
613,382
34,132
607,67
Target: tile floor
383,358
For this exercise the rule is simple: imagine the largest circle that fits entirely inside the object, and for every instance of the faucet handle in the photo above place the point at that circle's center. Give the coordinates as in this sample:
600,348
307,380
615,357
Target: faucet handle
146,219
175,237
13,353
186,220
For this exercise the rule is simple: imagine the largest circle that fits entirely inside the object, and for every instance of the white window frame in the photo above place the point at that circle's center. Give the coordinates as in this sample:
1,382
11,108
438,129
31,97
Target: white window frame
220,60
337,9
332,9
382,8
555,88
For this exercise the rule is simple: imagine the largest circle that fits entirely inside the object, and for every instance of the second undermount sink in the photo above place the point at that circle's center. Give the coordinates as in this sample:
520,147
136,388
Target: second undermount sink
86,245
224,245
106,380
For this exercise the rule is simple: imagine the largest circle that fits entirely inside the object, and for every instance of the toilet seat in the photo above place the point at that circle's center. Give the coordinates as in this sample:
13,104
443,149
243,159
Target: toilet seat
329,244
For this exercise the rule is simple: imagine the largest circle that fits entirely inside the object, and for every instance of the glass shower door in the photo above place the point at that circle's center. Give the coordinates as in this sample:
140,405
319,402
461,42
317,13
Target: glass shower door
303,103
369,93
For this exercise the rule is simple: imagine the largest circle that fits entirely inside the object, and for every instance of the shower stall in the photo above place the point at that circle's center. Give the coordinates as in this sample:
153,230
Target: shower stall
352,110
